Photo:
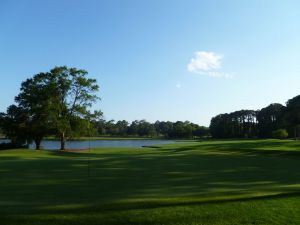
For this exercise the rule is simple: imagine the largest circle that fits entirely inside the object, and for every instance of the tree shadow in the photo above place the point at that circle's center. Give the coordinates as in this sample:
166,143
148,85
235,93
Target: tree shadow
102,208
103,181
250,148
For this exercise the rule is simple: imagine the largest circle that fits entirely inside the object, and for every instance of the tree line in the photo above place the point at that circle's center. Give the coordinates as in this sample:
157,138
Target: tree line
273,121
142,128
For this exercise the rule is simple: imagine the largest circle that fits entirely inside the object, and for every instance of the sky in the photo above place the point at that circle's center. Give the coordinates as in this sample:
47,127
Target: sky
158,59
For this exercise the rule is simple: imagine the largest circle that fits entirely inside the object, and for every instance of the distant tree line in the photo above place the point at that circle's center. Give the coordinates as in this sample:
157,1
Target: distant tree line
273,121
142,128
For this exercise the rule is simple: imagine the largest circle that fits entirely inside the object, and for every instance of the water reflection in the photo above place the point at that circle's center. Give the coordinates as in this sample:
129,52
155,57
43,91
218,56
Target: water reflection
53,145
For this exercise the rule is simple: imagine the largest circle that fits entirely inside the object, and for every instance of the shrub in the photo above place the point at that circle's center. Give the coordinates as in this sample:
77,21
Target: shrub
280,134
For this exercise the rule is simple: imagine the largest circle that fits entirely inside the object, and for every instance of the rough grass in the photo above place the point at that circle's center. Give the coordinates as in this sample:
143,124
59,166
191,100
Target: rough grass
212,182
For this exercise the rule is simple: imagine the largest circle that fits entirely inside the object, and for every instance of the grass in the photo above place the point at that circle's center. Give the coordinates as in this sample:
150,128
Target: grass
211,182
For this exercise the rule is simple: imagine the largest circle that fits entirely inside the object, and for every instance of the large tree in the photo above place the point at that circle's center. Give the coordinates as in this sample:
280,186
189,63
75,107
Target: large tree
72,97
59,102
34,99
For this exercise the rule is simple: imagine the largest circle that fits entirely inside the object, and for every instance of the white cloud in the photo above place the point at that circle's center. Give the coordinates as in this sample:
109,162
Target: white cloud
207,63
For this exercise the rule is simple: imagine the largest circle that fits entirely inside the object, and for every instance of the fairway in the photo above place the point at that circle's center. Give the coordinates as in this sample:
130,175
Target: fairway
209,182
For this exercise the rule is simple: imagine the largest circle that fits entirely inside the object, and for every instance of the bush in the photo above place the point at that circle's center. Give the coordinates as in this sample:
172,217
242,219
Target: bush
280,134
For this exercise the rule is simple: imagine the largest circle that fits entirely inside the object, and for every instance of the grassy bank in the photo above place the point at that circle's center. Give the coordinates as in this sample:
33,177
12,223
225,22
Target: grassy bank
213,182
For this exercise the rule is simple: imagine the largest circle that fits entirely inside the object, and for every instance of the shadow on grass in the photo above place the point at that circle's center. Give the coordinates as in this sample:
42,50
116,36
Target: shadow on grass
111,178
250,148
161,204
39,211
84,153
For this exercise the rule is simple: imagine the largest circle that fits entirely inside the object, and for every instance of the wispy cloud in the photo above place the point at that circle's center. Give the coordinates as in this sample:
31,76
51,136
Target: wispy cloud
207,63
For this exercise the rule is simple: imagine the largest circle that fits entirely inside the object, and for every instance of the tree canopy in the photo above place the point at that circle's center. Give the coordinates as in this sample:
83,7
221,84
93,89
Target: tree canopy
56,102
292,115
275,120
143,128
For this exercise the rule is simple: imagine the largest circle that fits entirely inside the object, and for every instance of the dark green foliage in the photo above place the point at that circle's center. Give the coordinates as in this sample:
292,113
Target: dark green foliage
270,119
34,99
14,124
280,134
143,128
56,102
292,115
239,124
200,131
72,94
164,128
262,123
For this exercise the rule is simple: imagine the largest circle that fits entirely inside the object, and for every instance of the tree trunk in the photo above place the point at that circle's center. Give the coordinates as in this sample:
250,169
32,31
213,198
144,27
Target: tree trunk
62,141
295,133
37,144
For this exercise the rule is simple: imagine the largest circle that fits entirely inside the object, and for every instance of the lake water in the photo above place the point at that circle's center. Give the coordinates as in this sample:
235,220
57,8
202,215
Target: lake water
4,141
52,145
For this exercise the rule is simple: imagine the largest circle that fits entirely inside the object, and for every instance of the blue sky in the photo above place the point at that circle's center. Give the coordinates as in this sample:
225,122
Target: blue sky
158,59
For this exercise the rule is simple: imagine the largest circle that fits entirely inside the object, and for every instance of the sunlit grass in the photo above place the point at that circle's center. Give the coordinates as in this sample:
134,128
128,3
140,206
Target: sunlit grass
211,182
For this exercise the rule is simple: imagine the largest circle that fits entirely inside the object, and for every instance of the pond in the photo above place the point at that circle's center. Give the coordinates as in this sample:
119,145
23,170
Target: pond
4,140
53,145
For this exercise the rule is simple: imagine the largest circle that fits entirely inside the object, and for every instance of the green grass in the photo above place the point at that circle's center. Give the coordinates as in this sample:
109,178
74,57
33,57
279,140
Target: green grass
212,182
